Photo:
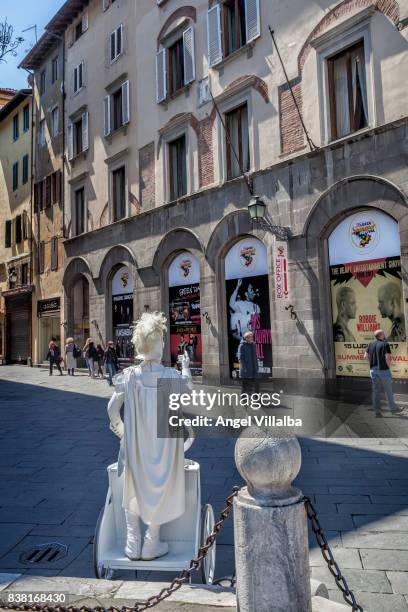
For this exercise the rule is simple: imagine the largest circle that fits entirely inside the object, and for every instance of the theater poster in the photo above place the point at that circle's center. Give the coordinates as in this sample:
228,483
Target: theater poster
122,312
184,311
366,291
247,292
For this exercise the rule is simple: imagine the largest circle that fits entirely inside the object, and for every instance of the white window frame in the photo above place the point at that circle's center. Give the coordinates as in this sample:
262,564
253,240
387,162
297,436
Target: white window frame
244,97
54,128
41,133
115,34
174,134
332,42
108,108
118,163
162,61
78,70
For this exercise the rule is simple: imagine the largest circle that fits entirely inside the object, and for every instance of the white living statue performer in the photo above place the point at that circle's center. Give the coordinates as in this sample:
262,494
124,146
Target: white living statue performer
153,468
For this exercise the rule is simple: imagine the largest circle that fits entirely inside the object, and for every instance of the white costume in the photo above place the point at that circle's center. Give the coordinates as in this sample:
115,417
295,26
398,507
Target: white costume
153,467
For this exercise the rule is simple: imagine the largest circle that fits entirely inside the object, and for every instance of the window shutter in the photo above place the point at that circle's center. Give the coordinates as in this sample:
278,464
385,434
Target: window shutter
81,75
19,233
7,242
54,253
13,232
44,194
119,40
113,46
253,26
58,180
189,58
70,140
125,103
214,35
26,229
48,189
85,21
107,115
161,78
85,131
76,79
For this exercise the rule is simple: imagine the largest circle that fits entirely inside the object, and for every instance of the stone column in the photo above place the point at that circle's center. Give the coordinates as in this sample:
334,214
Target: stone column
270,527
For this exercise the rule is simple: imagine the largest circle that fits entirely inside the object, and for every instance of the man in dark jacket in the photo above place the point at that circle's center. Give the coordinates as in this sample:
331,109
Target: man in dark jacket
111,362
248,364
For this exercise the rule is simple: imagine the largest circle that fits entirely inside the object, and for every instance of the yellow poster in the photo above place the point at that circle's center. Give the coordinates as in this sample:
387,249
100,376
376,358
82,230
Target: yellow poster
366,296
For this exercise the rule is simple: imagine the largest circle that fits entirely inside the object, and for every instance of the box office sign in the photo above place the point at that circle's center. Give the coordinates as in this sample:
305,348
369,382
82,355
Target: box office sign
247,293
49,305
184,310
366,291
281,271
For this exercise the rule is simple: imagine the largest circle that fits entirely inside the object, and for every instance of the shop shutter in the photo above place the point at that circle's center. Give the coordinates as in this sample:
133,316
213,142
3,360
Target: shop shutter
70,140
85,131
214,35
161,76
189,58
125,102
18,329
107,115
253,26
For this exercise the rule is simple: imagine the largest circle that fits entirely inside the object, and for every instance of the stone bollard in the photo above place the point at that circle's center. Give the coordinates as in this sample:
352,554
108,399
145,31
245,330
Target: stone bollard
270,527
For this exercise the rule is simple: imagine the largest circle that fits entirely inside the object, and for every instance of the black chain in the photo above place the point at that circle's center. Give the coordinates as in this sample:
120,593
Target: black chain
334,569
184,575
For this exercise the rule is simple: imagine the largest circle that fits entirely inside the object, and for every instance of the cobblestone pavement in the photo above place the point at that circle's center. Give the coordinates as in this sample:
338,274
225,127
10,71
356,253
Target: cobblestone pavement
55,445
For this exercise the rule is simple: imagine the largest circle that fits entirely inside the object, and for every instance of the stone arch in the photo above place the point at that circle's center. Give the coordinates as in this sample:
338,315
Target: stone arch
176,240
114,257
77,267
351,193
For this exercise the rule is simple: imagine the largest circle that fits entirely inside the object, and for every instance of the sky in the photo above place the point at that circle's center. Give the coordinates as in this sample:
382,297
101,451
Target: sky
22,14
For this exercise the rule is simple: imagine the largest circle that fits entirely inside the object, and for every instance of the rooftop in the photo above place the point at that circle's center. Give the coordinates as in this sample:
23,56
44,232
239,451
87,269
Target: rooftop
14,103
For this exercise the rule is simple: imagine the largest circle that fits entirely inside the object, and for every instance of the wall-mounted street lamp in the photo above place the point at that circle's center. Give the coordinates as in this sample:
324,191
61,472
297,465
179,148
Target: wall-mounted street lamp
257,211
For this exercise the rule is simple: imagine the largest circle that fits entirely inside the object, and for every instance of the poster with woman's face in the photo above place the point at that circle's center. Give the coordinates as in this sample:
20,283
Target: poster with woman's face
247,297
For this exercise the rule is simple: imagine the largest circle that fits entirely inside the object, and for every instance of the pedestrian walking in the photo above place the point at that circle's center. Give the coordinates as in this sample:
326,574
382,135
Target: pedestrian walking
54,356
85,353
111,362
71,354
378,354
100,360
91,355
248,364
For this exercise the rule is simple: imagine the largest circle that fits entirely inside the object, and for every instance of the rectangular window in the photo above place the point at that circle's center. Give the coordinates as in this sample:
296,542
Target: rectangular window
41,133
15,176
42,82
177,168
117,109
54,70
19,229
116,40
78,30
26,118
25,169
7,234
348,91
41,257
54,121
48,191
24,274
16,127
54,253
78,77
79,213
234,25
78,137
119,193
56,187
176,66
237,141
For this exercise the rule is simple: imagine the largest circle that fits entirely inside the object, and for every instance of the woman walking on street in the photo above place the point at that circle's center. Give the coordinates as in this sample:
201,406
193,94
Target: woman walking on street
101,356
54,356
70,355
111,362
92,357
85,355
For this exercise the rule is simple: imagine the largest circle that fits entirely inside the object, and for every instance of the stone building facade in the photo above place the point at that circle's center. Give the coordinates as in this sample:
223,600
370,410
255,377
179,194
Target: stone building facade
327,143
46,62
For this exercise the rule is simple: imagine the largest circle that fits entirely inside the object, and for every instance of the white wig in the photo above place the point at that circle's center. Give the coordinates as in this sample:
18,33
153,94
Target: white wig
149,327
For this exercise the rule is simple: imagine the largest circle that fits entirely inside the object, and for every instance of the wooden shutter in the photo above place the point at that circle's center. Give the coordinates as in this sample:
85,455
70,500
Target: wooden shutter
85,21
119,40
58,181
43,194
40,255
7,234
70,140
13,232
85,131
161,76
48,195
189,59
54,253
125,102
253,25
107,115
113,46
19,232
214,35
26,227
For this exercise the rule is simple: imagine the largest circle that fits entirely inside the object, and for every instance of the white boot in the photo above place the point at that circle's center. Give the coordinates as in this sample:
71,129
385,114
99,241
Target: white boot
152,546
134,539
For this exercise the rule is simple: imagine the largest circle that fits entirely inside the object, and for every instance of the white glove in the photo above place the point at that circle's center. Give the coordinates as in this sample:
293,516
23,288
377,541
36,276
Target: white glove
185,361
118,429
